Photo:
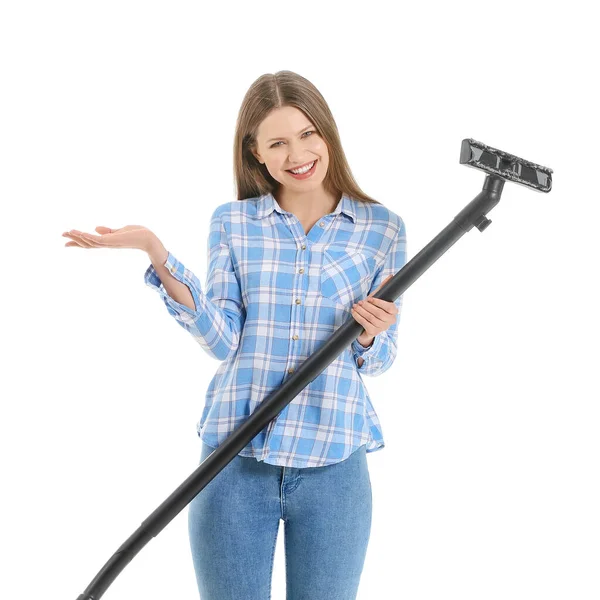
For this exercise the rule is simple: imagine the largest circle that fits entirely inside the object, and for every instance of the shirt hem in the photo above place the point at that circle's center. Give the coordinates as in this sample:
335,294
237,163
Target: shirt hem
277,460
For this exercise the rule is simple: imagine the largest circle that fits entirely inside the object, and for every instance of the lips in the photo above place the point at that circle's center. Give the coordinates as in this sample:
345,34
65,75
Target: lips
304,165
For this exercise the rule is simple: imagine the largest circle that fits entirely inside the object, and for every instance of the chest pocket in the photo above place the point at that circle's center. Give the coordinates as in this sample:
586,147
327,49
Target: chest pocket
346,276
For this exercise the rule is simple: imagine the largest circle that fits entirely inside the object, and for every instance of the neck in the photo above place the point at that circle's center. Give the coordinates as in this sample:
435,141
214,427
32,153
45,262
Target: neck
308,204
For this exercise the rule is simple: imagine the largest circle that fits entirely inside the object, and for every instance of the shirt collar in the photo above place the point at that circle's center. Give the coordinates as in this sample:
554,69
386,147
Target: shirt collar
267,204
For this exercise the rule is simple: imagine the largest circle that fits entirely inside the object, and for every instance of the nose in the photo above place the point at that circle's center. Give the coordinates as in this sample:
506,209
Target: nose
297,154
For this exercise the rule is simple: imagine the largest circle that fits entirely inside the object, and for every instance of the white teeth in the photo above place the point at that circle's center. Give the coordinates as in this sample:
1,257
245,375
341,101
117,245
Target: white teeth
305,169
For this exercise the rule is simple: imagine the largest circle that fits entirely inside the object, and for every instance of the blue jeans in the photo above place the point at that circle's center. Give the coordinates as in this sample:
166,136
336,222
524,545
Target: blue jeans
233,524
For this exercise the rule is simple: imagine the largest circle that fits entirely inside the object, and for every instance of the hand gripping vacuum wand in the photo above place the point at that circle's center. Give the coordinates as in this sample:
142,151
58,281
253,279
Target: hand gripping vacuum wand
500,167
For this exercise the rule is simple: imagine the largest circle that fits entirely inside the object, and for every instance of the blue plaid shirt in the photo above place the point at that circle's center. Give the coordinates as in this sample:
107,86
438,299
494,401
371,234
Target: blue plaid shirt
273,295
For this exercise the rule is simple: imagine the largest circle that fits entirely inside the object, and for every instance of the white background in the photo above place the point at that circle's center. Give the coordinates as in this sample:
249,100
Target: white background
116,113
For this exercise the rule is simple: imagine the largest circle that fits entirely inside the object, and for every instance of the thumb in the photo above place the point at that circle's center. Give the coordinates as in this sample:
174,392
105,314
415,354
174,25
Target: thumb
383,283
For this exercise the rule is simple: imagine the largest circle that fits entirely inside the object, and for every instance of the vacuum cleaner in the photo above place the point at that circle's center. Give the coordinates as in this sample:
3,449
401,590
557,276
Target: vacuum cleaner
499,167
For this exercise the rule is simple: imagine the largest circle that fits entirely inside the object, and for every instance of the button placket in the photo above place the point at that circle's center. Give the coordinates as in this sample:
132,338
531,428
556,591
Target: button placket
297,301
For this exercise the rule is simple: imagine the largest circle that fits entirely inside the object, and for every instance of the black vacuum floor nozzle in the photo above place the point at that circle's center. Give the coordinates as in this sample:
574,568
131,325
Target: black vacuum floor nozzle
508,166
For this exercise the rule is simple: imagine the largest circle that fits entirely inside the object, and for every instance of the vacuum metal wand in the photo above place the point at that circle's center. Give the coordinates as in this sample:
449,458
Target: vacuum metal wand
500,167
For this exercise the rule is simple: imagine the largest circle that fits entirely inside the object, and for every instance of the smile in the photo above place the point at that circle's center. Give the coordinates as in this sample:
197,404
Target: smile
305,174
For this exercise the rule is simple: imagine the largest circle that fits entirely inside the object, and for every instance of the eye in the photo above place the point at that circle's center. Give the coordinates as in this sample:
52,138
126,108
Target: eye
275,144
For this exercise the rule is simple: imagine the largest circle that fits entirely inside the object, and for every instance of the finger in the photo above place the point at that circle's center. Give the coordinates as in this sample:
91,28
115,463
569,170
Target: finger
108,239
388,307
369,317
375,310
97,240
77,238
384,282
357,317
380,314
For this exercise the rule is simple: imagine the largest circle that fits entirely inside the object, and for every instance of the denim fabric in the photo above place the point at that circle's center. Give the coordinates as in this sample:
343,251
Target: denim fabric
233,524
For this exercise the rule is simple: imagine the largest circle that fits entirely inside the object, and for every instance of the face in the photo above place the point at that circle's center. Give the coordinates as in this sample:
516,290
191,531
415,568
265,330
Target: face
286,140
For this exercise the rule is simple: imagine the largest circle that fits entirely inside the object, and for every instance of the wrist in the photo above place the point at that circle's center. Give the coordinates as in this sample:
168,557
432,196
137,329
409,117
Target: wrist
365,341
156,251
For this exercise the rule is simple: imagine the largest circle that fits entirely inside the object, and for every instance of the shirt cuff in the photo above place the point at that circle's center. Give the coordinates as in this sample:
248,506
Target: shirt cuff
180,273
365,352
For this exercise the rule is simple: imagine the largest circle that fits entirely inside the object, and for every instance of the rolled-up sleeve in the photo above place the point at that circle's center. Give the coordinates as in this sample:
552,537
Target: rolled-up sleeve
380,355
219,315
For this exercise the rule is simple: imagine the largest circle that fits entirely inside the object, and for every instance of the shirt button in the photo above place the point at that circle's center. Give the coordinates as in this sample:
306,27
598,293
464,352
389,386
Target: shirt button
291,370
321,224
172,269
303,246
301,270
298,300
295,337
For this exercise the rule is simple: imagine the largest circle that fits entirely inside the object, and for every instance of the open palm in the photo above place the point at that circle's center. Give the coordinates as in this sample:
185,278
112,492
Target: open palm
130,236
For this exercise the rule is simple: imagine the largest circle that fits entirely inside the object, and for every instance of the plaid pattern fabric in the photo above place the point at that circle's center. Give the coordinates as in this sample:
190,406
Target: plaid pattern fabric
273,295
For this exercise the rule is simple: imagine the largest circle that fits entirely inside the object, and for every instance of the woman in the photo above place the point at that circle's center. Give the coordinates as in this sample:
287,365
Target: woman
301,250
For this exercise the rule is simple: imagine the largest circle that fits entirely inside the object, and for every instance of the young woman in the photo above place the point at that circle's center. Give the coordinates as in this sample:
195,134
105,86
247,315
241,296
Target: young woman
301,250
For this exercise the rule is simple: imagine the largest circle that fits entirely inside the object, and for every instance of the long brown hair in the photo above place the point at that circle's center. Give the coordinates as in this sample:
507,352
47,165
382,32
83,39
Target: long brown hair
272,91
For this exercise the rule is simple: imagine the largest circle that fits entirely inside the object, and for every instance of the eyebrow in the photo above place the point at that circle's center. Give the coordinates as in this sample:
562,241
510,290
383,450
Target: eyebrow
307,127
